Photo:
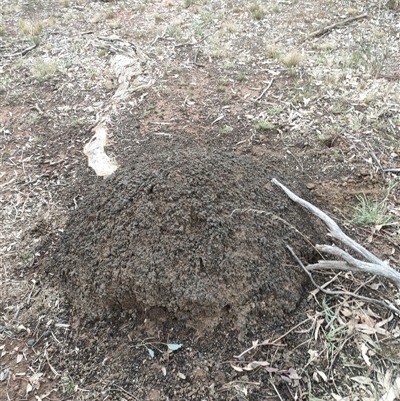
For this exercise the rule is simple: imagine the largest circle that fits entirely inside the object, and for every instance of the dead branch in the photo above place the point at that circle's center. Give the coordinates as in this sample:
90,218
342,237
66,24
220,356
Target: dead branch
328,28
344,293
23,51
391,170
375,266
264,91
360,266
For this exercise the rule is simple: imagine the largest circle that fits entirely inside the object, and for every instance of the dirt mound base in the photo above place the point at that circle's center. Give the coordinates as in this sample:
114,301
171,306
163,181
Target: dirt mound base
167,236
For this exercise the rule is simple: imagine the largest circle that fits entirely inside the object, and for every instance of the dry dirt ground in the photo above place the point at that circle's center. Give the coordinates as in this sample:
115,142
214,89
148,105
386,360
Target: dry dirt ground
170,279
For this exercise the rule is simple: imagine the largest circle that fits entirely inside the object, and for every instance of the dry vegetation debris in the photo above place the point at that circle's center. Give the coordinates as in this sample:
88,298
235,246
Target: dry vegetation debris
310,80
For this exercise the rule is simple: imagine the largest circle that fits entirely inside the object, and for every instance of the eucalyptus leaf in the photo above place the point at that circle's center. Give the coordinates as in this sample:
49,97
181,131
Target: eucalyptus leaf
174,347
4,374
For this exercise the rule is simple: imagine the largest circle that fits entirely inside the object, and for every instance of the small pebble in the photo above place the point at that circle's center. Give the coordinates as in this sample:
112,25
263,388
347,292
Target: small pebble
31,342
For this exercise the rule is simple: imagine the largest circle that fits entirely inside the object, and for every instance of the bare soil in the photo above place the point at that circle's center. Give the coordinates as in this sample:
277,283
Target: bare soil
148,284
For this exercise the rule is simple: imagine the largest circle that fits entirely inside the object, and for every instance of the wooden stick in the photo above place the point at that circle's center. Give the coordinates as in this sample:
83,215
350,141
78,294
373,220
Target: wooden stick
328,28
360,266
263,92
343,293
23,51
375,265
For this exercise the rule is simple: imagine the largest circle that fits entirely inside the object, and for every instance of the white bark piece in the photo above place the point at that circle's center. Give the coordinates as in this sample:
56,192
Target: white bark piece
97,158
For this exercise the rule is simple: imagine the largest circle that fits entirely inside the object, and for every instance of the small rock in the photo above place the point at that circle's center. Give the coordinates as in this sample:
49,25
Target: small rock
181,376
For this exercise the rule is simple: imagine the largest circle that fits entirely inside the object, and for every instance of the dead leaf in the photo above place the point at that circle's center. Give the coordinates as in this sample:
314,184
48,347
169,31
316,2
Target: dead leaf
346,312
374,286
364,350
323,375
383,322
255,365
361,380
364,328
313,356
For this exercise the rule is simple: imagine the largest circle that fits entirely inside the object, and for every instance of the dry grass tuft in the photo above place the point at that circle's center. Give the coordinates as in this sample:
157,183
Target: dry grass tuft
257,11
292,59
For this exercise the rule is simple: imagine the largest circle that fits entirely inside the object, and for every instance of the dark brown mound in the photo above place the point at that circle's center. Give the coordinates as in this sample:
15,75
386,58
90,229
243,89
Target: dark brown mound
161,237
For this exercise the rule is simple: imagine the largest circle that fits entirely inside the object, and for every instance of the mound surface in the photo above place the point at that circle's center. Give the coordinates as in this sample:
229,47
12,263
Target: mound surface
167,236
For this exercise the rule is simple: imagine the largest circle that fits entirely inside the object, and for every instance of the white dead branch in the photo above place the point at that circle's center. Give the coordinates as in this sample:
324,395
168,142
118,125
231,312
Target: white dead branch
373,265
325,30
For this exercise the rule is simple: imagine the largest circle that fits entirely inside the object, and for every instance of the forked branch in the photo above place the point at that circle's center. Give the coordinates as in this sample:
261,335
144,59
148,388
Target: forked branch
373,265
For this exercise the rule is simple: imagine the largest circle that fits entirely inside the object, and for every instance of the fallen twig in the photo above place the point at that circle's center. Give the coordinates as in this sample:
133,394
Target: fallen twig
276,390
118,388
264,91
392,77
377,161
23,51
328,28
391,170
268,342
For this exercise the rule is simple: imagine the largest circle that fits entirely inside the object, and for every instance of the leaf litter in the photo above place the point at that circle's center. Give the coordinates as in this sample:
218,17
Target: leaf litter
354,79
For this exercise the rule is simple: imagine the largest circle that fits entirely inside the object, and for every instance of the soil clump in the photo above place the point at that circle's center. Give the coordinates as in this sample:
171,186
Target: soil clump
190,236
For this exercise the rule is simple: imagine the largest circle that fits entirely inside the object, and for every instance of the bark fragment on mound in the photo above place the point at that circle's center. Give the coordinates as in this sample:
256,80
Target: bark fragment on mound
159,237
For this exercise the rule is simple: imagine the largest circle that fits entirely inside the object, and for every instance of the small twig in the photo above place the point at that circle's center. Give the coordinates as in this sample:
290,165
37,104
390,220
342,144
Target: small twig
391,170
389,76
276,391
289,331
193,44
228,386
298,161
22,52
56,374
125,392
220,117
343,343
166,134
371,151
328,28
264,91
256,344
